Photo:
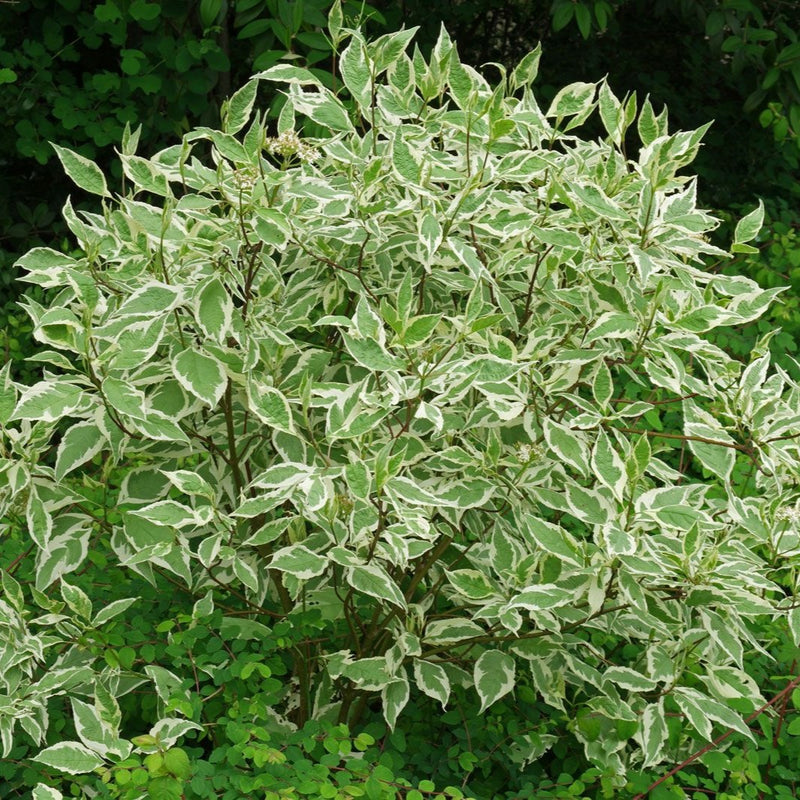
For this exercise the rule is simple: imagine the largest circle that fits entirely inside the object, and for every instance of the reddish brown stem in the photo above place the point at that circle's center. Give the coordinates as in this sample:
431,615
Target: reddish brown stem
721,738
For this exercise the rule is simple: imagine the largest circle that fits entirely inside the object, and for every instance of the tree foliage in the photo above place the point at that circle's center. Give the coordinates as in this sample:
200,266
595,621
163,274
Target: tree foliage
433,386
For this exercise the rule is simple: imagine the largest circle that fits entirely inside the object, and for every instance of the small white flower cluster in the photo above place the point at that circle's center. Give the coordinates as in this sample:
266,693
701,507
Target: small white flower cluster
290,144
790,514
527,452
245,179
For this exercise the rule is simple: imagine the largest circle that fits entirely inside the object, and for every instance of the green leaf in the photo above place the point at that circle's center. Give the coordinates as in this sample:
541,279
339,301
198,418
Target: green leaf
270,406
272,227
613,325
405,296
679,517
571,100
717,458
368,673
123,398
524,74
419,329
358,479
451,630
40,522
471,583
322,107
610,110
48,401
288,73
654,733
176,762
214,309
608,466
190,483
432,679
154,299
77,600
494,675
201,375
336,21
553,539
542,597
113,609
394,697
748,226
370,354
12,590
356,71
164,787
602,386
86,174
567,445
583,17
239,107
298,560
629,679
91,729
168,513
618,541
145,175
406,159
373,580
160,428
70,757
42,792
701,710
80,443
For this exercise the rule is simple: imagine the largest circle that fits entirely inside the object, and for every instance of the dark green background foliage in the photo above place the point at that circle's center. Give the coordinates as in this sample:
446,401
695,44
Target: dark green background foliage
75,72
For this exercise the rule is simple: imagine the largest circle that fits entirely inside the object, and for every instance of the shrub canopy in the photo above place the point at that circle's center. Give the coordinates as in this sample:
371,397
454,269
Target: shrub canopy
431,367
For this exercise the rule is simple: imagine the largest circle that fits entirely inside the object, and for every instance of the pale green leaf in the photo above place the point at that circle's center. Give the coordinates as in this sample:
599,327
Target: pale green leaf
86,174
80,443
567,445
748,226
471,583
42,792
48,401
113,609
571,100
394,697
39,519
298,560
70,757
451,630
495,676
77,600
432,679
653,733
368,673
608,466
373,580
213,308
629,679
200,374
272,227
239,107
542,597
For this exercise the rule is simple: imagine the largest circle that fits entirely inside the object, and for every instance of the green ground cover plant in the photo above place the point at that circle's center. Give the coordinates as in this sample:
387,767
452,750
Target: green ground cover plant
400,407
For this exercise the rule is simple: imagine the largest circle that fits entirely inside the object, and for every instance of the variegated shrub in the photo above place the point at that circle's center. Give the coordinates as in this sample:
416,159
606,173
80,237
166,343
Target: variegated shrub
431,363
